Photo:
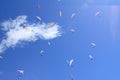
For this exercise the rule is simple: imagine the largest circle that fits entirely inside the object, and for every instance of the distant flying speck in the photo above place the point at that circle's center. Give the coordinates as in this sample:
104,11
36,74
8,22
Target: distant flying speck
72,30
60,13
21,72
97,13
49,43
27,29
38,18
52,24
38,6
42,52
1,57
58,0
70,62
93,44
90,56
73,14
71,76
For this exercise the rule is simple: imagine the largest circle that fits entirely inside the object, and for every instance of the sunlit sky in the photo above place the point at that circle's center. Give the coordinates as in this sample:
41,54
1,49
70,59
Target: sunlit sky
94,21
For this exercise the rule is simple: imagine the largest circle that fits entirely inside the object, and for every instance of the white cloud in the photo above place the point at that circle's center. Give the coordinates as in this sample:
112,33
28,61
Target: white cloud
19,30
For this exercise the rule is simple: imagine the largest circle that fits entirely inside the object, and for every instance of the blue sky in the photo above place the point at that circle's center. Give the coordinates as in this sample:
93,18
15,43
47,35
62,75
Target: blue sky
103,29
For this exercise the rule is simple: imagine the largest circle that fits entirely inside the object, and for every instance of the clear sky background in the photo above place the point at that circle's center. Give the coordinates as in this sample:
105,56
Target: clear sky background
102,29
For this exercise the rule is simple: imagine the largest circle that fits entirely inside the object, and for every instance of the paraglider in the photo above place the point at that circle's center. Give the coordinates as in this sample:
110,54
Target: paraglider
70,62
93,44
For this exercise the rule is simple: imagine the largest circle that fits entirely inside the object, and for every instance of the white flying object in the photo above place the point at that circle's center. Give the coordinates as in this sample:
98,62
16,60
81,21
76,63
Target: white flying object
93,44
70,62
1,57
60,13
72,30
38,17
73,14
21,72
97,13
42,52
49,43
90,56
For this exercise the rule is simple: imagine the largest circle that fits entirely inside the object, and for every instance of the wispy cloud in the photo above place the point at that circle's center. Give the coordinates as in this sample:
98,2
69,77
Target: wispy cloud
20,30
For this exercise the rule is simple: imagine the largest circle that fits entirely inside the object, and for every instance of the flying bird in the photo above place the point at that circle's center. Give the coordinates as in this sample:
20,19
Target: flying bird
49,43
97,13
72,30
42,52
73,14
38,17
60,13
1,57
93,44
52,24
91,57
70,62
20,74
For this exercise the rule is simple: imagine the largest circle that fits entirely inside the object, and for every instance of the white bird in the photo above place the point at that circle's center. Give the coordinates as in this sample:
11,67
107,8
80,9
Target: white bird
70,62
42,52
72,30
90,56
60,13
38,17
49,43
21,72
93,44
97,13
73,14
